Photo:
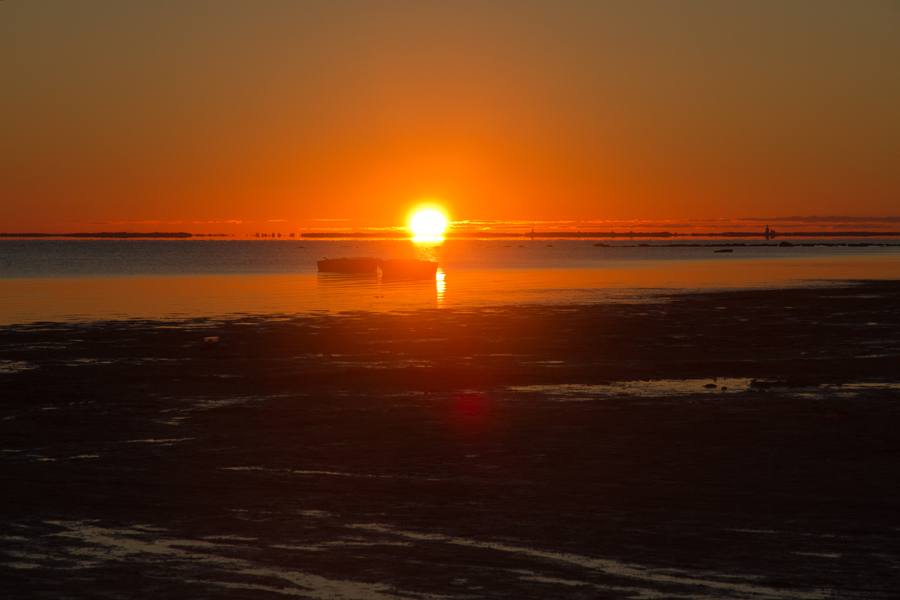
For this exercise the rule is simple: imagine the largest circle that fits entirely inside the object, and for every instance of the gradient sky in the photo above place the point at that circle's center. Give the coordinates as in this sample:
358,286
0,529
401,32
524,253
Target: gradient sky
225,116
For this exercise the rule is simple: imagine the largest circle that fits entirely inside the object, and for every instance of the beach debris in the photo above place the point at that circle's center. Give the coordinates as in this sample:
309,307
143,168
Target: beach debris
710,386
210,341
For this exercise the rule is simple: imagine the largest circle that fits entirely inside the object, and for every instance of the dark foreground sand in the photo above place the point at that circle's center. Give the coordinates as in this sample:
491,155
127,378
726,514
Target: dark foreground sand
504,453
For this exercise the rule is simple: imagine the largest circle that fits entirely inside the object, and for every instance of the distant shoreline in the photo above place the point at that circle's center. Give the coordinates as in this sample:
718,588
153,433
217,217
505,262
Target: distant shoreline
107,234
610,234
467,235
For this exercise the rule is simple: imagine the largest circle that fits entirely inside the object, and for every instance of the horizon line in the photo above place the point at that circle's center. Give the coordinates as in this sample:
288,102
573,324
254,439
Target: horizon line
395,234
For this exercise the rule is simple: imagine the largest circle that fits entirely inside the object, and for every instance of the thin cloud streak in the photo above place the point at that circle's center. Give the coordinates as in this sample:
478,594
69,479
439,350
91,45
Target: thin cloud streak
746,224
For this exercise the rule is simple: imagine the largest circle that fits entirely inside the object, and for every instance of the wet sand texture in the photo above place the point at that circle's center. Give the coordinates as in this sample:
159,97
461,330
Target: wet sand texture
496,453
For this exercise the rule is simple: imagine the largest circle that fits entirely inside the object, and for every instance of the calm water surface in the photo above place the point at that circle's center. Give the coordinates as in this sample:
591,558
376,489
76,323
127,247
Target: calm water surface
65,280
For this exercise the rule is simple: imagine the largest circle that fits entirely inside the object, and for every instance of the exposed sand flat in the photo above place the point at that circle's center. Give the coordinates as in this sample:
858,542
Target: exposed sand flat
511,452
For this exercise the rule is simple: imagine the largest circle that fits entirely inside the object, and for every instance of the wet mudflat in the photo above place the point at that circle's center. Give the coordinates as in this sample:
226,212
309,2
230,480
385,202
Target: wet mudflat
514,452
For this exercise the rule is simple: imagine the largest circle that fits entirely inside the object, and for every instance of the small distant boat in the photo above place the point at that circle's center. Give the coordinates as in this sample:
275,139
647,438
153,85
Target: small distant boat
724,250
408,268
359,264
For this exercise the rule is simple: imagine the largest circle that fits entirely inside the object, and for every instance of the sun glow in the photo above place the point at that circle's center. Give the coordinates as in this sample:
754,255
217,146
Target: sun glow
428,222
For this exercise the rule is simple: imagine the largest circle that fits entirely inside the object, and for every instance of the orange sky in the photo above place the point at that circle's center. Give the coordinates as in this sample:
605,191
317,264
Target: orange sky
219,116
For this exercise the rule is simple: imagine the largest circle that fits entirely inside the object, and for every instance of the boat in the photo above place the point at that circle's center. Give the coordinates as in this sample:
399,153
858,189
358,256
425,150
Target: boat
357,264
408,268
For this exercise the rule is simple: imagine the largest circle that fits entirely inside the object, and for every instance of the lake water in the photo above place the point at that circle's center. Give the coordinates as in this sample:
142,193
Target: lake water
78,280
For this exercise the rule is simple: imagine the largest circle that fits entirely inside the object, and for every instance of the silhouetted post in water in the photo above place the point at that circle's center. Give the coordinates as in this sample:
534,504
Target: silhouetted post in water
767,232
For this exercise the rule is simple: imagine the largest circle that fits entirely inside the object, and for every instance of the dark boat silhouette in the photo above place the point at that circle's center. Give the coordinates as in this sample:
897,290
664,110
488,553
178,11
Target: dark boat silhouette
358,264
408,268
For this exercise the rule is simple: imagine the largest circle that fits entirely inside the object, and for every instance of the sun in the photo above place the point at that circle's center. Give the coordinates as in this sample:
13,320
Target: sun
428,222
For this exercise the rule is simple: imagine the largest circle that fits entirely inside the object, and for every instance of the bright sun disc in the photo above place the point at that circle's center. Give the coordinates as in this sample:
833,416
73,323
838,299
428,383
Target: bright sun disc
428,222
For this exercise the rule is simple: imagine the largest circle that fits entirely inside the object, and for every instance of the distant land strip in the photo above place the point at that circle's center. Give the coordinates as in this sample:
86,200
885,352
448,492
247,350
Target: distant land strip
610,234
105,234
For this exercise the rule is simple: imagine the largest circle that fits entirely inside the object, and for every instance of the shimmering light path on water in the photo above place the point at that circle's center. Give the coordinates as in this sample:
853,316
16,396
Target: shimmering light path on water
90,298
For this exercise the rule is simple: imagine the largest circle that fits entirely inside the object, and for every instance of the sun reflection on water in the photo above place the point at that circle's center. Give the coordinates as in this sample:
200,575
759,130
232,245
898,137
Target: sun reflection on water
441,286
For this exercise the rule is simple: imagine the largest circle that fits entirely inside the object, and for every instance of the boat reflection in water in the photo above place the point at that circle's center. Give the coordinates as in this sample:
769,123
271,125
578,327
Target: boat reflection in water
408,268
358,264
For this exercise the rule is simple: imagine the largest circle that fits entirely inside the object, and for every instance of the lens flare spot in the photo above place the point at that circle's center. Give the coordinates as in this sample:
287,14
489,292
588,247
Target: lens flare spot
470,413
